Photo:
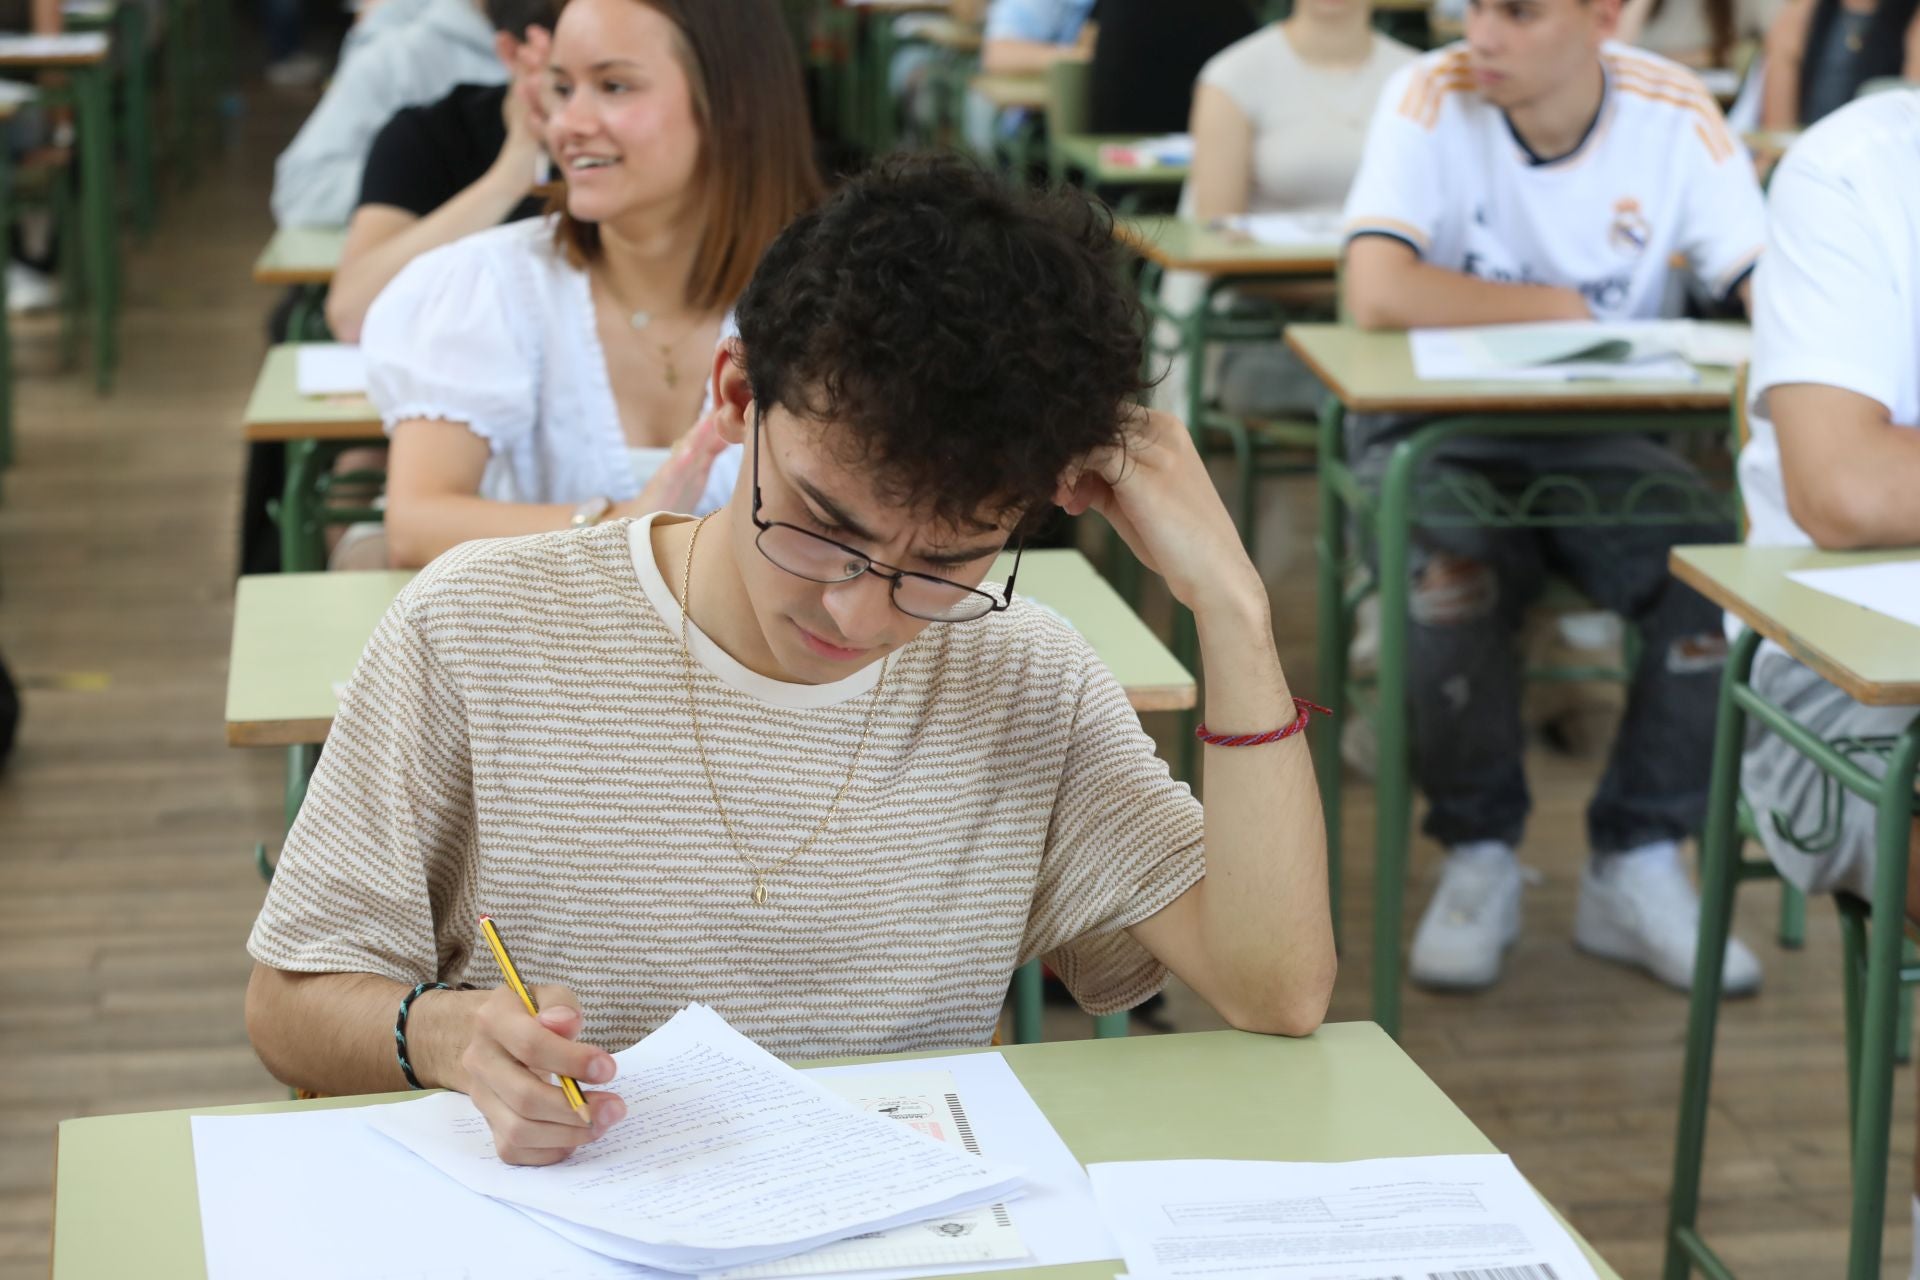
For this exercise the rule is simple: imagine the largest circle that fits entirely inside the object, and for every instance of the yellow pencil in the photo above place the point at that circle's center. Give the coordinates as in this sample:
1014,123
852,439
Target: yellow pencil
568,1085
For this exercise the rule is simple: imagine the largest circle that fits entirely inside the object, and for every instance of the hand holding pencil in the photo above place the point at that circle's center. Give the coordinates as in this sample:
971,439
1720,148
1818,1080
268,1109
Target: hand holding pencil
522,1036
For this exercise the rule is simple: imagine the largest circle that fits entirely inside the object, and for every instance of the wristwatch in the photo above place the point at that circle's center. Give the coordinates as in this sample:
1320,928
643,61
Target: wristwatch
591,512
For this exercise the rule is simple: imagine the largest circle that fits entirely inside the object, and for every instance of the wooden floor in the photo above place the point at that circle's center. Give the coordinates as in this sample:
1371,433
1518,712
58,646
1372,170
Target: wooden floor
126,825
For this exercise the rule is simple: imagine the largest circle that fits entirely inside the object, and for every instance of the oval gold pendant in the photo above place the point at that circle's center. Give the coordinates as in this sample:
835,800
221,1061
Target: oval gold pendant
759,892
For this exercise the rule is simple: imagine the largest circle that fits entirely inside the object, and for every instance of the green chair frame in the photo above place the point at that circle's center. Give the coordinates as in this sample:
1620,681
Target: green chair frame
1878,960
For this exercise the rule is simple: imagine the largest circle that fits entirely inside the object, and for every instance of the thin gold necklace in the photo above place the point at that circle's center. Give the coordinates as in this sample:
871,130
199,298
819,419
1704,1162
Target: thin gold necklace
693,713
640,320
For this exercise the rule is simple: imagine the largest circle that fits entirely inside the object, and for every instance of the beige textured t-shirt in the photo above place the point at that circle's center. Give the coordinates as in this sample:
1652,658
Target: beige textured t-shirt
1309,123
516,741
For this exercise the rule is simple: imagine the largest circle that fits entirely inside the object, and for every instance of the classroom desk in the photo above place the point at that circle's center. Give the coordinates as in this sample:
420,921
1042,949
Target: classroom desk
1373,372
277,411
126,1202
950,34
86,57
1876,660
296,634
300,255
1080,153
1007,92
1187,244
315,429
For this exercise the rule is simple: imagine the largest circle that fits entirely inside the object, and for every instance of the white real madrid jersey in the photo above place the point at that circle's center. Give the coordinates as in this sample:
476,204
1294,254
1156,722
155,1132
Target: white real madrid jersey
1658,177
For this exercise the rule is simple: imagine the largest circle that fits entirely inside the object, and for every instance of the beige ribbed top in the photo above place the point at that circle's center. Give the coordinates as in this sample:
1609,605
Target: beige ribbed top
515,741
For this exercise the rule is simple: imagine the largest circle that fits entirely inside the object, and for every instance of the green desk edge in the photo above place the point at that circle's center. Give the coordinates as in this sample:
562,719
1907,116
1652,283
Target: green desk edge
296,634
126,1201
1082,151
1873,657
1372,372
277,411
1188,244
300,255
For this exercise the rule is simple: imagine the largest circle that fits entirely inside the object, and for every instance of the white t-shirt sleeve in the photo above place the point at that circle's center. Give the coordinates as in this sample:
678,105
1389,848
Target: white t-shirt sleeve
1725,215
441,341
1825,307
1401,189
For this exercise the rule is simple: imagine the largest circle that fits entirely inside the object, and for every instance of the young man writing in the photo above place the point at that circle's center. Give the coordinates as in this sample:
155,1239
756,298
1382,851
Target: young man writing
1835,456
799,760
1541,172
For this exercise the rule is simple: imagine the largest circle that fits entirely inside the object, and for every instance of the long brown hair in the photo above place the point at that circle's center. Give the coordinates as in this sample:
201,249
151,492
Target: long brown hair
756,165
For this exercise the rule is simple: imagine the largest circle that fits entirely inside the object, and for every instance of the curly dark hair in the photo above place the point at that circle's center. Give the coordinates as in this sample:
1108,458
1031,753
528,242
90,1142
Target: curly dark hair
968,340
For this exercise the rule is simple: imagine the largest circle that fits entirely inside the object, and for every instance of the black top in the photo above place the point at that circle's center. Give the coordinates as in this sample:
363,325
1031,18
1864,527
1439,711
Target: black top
1148,56
425,156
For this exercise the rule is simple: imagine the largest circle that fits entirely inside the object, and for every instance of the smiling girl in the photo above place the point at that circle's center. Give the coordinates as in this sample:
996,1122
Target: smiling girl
551,372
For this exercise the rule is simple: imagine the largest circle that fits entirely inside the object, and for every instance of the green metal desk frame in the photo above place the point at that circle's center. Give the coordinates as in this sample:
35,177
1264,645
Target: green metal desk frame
1386,519
1875,973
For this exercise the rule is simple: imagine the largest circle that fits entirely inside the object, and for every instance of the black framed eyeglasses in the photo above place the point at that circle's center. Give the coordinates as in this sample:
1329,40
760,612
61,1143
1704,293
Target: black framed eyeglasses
806,554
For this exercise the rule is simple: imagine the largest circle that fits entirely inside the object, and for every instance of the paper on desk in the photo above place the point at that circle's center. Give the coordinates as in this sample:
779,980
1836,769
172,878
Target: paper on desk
1304,229
309,1195
330,369
1415,1218
15,93
1644,350
727,1157
930,1103
73,44
1891,587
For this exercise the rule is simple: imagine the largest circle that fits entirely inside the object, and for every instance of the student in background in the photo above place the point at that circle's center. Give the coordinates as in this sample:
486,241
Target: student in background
1540,172
450,168
1696,33
1025,37
404,53
1834,460
541,374
800,762
1279,121
1820,52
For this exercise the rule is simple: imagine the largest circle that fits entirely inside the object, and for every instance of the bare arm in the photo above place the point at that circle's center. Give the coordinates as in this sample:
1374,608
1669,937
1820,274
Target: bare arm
381,239
1849,470
1003,57
1222,154
1786,48
333,1033
1255,936
433,503
46,18
1388,287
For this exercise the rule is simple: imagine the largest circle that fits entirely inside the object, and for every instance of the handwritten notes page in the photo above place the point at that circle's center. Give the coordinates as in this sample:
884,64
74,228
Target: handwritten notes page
1416,1218
727,1157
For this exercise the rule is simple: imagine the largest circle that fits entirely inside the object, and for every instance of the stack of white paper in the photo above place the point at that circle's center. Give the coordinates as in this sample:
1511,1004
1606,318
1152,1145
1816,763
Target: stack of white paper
329,369
1414,1218
1565,351
310,1195
728,1157
1303,229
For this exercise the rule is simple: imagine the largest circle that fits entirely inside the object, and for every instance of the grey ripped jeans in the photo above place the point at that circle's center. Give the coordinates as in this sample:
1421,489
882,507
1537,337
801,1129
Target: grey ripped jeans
1470,589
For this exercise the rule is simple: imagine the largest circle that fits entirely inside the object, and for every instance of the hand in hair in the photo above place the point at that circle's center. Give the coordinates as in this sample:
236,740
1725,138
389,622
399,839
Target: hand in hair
1156,492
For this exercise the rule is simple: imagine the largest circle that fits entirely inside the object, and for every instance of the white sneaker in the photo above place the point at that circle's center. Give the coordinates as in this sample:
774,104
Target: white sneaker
1641,909
1472,920
30,290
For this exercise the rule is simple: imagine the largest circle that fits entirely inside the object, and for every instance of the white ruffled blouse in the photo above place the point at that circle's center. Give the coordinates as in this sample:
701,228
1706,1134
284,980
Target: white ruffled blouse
496,331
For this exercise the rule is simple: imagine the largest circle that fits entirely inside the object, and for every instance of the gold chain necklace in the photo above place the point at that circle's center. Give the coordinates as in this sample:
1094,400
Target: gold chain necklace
693,714
640,320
